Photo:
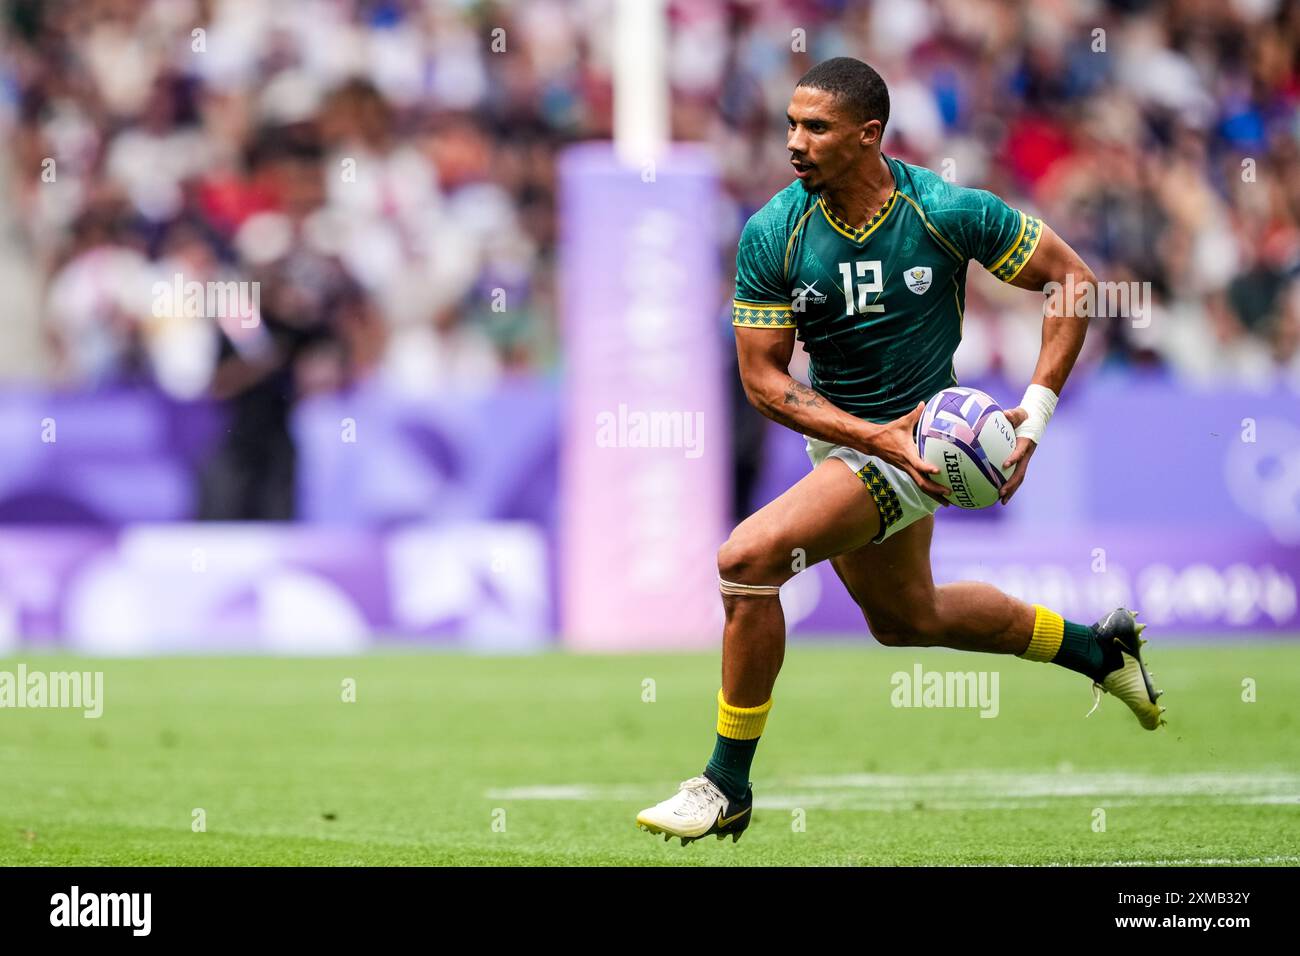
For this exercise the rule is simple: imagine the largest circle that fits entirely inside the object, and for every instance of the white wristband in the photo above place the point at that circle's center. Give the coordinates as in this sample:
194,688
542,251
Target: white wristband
1040,403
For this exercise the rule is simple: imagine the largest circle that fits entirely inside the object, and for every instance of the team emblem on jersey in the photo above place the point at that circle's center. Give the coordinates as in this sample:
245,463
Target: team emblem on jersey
917,278
809,294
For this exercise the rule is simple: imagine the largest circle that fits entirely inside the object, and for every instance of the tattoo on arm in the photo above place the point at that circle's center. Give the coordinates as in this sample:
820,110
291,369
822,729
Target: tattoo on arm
796,393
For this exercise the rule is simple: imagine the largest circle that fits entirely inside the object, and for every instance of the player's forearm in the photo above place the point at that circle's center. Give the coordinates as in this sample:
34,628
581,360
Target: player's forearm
793,404
1063,336
1065,324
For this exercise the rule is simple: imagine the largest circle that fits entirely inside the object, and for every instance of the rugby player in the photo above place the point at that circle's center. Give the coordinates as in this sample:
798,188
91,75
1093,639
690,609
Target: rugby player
864,258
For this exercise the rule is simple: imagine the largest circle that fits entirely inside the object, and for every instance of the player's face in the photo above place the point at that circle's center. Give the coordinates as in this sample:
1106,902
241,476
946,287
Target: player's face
824,139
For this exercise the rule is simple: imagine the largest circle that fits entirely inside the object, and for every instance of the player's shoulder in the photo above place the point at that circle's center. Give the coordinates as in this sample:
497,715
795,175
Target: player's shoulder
972,223
938,198
778,217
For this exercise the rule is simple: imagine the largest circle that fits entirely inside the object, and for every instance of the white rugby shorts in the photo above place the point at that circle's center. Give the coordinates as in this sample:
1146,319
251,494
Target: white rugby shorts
898,498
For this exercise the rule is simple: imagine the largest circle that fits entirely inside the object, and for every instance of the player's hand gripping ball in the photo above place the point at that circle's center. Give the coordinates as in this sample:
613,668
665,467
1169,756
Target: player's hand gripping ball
966,433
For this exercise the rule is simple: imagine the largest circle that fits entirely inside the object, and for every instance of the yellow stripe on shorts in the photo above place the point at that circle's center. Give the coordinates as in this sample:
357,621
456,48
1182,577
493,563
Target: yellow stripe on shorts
887,503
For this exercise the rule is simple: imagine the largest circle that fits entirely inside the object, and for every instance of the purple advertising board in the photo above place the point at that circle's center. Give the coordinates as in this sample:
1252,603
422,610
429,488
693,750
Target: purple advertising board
435,522
101,457
1145,452
274,588
370,456
1184,582
1180,502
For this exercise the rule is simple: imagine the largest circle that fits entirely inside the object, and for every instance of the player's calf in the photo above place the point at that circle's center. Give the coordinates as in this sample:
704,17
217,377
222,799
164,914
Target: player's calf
921,628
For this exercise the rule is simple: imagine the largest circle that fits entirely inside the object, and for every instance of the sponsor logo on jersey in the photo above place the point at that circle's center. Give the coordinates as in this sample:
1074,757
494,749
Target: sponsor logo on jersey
809,295
917,278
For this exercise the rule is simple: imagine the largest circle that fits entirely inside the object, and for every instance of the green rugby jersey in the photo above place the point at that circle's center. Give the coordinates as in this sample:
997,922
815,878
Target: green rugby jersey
878,309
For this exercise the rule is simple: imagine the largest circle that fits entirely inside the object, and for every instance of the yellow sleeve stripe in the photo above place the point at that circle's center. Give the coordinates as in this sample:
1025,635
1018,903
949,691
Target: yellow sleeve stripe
1014,259
1011,248
762,315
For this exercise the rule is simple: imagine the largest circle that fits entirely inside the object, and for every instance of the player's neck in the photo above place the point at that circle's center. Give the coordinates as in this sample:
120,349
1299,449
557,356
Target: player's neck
858,199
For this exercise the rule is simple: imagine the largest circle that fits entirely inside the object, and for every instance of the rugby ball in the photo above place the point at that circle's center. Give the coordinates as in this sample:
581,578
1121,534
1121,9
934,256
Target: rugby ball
965,433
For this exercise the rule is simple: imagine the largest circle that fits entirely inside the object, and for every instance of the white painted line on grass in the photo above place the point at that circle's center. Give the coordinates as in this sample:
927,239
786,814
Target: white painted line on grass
973,790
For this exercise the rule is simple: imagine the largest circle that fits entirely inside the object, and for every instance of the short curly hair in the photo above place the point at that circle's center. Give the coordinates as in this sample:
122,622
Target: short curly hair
855,84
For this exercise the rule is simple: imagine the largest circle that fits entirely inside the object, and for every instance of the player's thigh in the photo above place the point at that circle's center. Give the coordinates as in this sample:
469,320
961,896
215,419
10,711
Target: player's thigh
827,512
892,582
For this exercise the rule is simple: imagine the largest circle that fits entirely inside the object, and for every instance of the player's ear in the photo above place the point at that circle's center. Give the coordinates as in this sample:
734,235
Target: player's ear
871,132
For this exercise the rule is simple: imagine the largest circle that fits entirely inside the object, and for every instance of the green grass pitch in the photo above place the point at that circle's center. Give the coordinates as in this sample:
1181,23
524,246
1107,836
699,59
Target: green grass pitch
545,759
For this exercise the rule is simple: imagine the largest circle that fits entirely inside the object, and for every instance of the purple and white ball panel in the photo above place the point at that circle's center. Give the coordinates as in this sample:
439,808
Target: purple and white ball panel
965,433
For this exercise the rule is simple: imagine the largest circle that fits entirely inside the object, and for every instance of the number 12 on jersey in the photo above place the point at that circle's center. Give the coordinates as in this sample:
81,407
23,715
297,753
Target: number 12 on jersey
865,288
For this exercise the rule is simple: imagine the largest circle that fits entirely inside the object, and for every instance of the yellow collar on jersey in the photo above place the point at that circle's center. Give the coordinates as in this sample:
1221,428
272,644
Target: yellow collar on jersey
858,235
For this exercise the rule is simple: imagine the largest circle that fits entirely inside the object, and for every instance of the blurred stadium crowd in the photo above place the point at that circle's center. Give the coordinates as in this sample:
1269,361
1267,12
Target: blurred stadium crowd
385,170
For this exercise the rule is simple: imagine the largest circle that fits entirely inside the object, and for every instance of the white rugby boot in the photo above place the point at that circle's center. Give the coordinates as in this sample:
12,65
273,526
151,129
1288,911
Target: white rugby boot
697,809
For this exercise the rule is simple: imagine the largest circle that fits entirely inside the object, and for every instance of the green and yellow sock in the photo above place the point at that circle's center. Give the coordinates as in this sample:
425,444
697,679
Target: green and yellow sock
1073,646
738,731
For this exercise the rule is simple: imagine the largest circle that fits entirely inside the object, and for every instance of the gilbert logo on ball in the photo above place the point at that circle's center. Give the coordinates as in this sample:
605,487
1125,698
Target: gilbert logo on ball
965,433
